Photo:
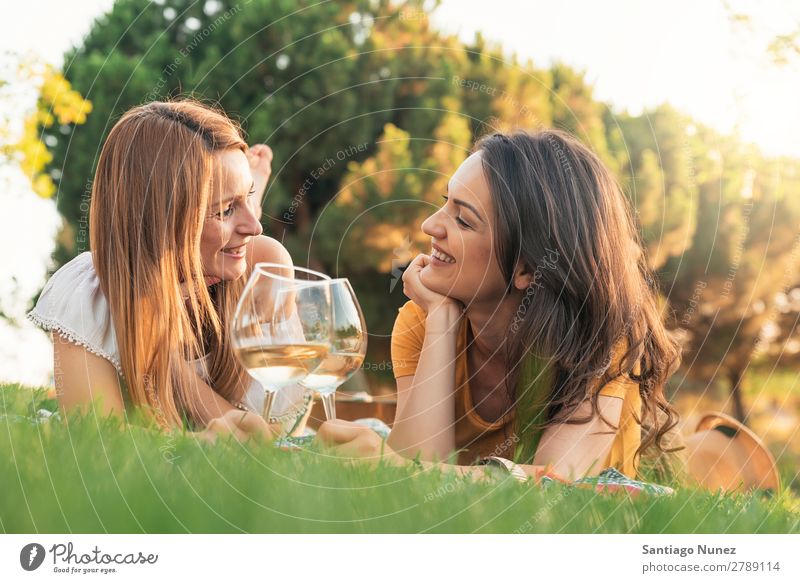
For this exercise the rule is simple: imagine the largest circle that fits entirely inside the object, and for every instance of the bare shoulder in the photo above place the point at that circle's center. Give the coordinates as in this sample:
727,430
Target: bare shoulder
609,406
263,249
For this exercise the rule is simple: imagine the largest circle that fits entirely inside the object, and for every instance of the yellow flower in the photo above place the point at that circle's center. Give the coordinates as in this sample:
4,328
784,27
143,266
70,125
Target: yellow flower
57,102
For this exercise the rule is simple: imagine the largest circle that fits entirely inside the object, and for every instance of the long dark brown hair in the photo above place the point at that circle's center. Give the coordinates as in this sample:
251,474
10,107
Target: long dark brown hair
559,211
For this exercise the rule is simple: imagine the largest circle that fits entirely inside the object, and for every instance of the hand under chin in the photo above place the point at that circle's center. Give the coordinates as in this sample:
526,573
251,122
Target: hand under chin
429,278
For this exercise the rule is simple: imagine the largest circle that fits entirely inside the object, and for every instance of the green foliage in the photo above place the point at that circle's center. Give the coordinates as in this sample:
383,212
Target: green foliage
657,174
743,254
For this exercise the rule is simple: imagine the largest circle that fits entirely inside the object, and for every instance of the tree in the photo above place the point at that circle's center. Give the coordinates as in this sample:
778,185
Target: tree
658,168
723,287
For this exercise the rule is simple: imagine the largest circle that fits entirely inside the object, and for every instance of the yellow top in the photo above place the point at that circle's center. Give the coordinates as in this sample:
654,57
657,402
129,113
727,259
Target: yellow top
476,437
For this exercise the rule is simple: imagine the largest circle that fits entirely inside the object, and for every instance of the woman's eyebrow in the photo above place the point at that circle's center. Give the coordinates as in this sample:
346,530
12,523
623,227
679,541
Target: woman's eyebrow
463,203
235,196
466,205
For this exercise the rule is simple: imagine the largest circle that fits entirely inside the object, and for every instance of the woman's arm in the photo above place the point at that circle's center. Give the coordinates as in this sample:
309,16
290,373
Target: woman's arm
568,451
425,418
575,451
82,377
351,440
209,404
87,382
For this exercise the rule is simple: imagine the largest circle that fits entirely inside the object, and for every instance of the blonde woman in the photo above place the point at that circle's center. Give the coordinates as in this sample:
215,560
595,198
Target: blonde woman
142,319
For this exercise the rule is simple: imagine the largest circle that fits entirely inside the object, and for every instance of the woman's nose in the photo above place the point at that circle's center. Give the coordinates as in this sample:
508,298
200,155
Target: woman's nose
251,225
434,227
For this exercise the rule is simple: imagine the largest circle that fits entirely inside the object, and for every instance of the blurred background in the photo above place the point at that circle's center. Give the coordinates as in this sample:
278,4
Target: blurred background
369,106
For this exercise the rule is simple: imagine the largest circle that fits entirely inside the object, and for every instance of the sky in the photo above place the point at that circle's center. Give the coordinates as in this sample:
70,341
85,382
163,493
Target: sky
637,54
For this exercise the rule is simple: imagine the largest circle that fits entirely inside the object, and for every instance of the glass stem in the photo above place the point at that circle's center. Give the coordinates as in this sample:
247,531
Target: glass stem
269,396
329,403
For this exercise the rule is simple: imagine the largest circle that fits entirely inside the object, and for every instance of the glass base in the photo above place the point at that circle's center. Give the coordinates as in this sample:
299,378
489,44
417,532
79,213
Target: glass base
269,396
329,403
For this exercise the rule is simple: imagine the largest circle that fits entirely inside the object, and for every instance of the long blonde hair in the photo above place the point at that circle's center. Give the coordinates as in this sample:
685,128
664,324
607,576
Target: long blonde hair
150,198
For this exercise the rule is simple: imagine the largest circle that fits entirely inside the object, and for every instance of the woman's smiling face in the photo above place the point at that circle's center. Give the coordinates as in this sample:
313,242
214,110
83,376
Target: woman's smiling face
463,260
231,219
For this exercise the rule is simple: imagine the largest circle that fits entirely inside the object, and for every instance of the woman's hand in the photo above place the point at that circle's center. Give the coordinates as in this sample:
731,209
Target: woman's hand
351,440
416,291
260,158
241,424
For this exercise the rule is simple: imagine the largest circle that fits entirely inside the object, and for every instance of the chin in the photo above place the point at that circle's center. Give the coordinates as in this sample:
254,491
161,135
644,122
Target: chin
436,283
230,272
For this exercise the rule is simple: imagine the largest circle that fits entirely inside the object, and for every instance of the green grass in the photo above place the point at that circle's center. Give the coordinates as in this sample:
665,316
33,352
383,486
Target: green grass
92,475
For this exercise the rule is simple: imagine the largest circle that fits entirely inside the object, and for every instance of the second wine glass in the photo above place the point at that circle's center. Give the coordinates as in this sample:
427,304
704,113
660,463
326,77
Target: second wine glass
348,346
281,330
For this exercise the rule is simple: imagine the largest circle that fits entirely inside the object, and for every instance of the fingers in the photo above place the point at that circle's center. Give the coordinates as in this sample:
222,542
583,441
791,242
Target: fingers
224,426
261,149
412,286
419,262
361,448
339,431
350,440
251,424
214,429
261,152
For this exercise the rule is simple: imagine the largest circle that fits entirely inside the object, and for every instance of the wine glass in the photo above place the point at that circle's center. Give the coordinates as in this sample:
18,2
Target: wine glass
348,346
281,329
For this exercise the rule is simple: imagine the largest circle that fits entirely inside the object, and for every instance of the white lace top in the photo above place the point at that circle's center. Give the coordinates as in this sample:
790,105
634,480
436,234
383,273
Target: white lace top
73,303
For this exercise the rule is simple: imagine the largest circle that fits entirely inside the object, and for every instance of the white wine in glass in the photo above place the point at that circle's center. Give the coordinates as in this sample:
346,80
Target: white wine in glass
281,329
281,365
348,346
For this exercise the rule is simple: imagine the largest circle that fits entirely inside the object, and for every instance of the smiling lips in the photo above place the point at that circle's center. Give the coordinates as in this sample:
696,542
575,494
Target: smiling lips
235,251
440,255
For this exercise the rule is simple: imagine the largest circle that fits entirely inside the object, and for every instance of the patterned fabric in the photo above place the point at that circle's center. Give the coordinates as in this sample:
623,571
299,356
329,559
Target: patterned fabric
609,481
305,440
